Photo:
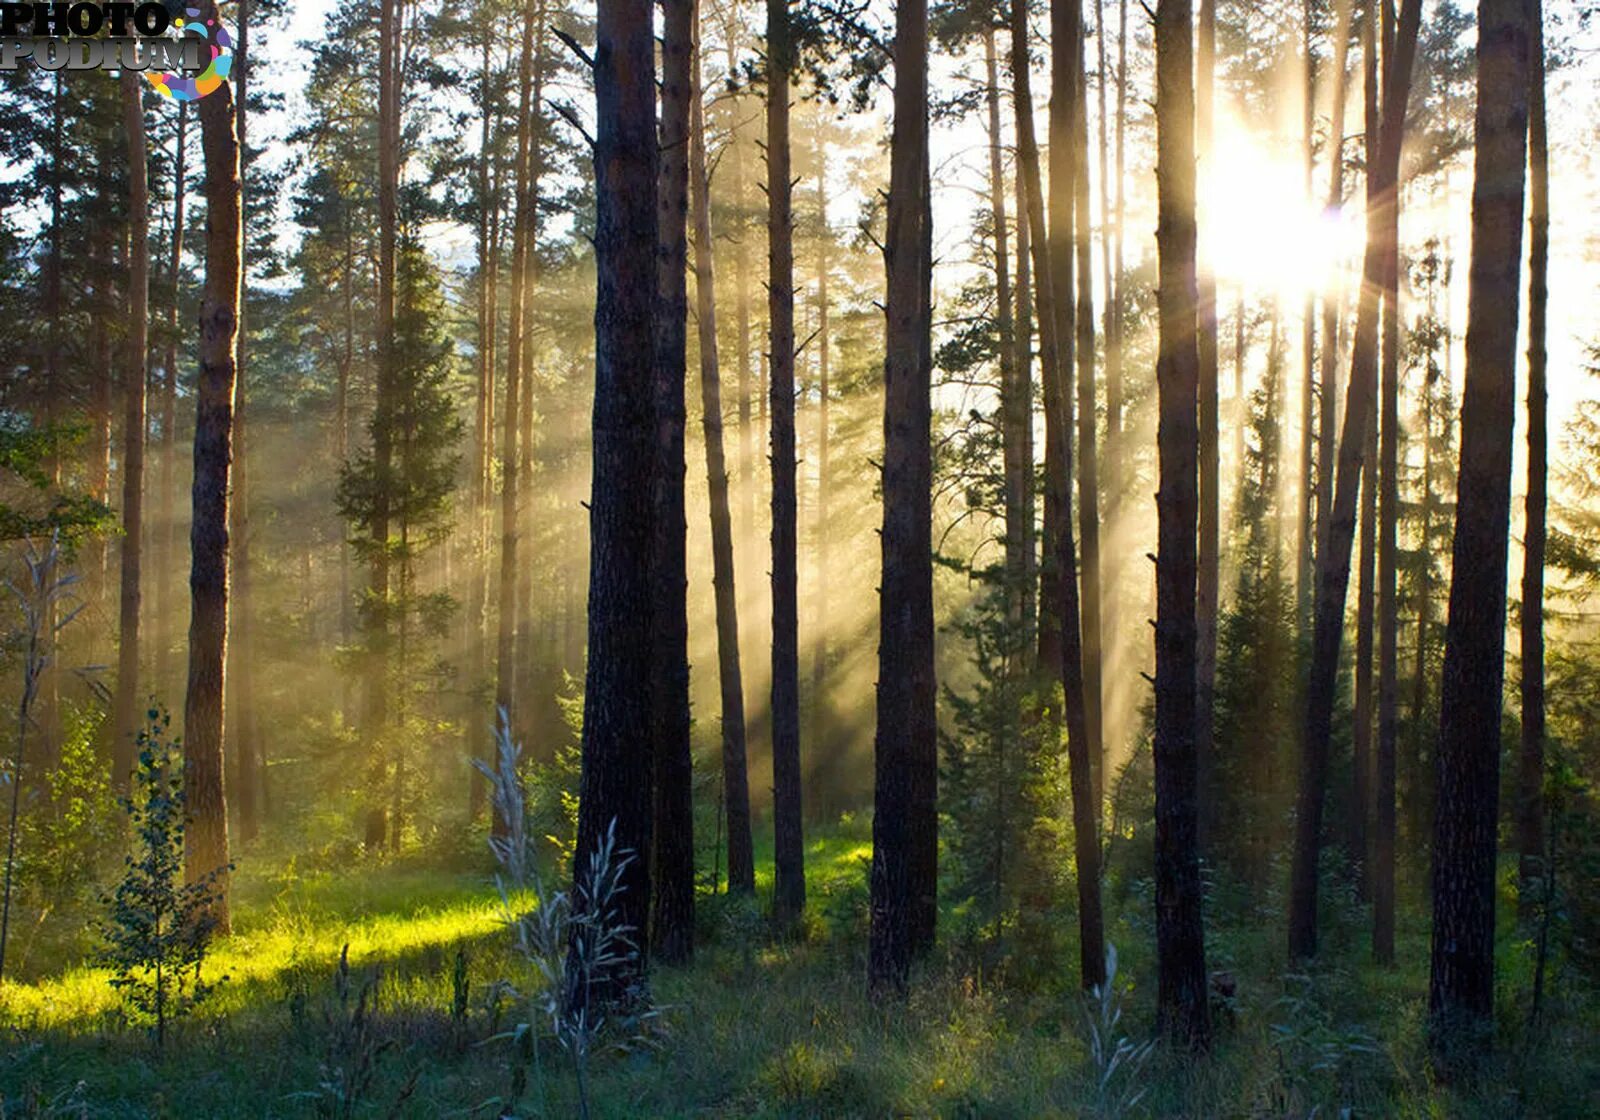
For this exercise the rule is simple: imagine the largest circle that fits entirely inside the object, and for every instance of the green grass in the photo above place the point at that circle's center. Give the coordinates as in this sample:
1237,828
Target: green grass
755,1028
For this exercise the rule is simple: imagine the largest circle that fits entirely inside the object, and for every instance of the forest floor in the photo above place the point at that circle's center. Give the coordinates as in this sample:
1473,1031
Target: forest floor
755,1028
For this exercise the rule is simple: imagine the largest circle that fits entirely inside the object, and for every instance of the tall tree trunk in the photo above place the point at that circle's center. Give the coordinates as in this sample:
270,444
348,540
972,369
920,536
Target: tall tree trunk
376,715
166,518
735,772
1088,458
615,793
243,743
125,713
506,699
1530,768
1209,555
1182,1009
1016,410
672,893
1461,985
1382,851
904,826
1333,569
1333,298
741,298
1022,329
789,891
206,841
1115,313
1358,836
478,739
1308,340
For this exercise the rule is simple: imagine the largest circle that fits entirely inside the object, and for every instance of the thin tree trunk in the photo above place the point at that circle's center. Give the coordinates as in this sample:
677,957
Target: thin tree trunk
478,739
206,840
821,701
125,716
615,797
735,773
166,518
1088,459
510,459
1332,299
1022,329
1016,411
1308,342
1358,822
1182,1008
905,751
672,893
1530,799
1461,986
243,743
789,892
1333,570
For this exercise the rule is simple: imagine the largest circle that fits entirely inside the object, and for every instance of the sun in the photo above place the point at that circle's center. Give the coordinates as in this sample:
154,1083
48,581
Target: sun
1259,227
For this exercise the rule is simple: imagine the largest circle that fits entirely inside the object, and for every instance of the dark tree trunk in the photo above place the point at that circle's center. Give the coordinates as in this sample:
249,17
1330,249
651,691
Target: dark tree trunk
1328,389
206,841
376,715
904,825
789,890
1461,987
615,791
1182,1010
165,590
125,711
735,773
1530,769
1022,329
1209,554
821,701
478,740
1333,569
1088,458
1308,344
672,892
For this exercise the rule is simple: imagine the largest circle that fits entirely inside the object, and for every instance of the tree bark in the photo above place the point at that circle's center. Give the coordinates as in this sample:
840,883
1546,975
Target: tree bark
166,518
1308,343
615,791
1461,986
1333,569
125,711
1016,410
1332,300
735,771
1182,1009
1530,768
904,824
206,841
672,893
789,893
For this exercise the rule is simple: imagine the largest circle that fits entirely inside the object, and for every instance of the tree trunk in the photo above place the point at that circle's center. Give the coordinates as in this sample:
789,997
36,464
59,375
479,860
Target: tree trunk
1088,459
243,743
377,607
125,712
1332,300
904,825
522,229
615,792
1022,329
165,592
672,893
1333,569
789,891
1461,987
1016,410
1530,769
1308,343
821,700
735,773
1182,1010
1209,555
206,841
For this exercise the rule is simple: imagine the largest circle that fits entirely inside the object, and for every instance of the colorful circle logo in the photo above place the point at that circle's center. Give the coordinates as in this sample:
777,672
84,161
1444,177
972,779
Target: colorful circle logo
192,87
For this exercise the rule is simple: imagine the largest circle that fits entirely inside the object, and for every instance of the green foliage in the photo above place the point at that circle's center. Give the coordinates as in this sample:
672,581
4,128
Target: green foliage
31,503
157,927
67,833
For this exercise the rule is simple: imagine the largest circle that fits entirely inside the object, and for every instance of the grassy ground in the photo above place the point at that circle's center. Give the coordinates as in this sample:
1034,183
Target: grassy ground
753,1028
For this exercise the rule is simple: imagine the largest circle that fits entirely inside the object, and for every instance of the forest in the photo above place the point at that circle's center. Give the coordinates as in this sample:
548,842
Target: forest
811,558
